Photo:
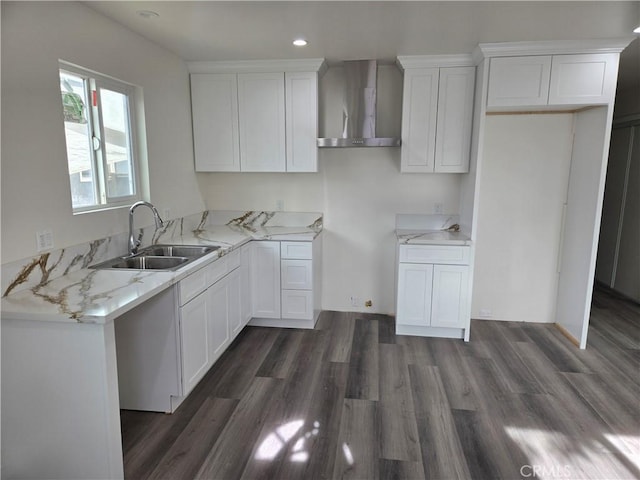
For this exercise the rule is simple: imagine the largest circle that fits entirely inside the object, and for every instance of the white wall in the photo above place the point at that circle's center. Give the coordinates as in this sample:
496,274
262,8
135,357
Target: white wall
524,180
35,183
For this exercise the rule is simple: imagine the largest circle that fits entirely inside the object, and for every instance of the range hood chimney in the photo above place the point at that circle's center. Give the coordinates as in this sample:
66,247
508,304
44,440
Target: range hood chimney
359,109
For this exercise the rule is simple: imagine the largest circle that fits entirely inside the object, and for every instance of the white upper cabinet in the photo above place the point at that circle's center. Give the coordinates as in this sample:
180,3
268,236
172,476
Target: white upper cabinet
262,128
255,116
419,113
546,81
519,81
437,113
583,79
455,114
215,122
301,116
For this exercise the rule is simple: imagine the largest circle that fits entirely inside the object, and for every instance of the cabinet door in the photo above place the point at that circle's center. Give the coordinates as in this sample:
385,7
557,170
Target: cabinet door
519,81
245,283
455,115
218,318
415,282
235,310
419,109
583,79
214,107
262,122
265,279
450,298
301,90
194,341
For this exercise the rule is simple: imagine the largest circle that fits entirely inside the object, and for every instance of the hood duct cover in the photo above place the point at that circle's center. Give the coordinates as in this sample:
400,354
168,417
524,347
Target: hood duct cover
359,109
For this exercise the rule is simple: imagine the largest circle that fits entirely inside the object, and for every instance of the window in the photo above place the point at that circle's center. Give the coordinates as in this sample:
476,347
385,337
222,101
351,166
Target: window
99,133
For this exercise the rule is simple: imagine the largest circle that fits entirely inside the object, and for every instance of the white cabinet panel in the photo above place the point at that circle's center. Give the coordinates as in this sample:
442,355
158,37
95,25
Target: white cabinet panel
415,283
515,81
450,293
297,275
265,279
297,304
245,283
583,79
455,114
194,338
419,113
218,318
261,103
301,121
236,322
214,106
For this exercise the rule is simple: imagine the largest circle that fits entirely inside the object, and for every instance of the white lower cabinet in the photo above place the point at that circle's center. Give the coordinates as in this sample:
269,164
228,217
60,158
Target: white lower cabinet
433,298
286,283
265,279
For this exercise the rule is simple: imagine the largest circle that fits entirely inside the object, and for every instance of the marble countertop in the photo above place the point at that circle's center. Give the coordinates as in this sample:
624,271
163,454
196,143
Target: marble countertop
431,237
98,296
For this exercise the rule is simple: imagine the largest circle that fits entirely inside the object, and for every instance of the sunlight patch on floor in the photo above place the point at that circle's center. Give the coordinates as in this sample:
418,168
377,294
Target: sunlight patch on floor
276,441
552,455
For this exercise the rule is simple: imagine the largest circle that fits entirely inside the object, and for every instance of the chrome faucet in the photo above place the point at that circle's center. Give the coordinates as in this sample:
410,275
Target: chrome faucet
133,242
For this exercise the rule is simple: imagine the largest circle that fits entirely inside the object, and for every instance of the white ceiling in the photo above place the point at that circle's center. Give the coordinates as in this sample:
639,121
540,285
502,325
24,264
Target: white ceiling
341,30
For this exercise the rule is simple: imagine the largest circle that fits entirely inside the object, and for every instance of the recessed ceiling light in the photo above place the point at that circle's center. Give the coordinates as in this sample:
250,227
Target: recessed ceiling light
300,42
147,14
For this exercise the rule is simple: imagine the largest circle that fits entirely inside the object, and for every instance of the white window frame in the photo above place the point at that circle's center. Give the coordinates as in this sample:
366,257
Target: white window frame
95,82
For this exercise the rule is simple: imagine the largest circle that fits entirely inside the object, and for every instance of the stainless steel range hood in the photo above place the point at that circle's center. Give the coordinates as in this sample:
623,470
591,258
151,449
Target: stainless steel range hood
359,109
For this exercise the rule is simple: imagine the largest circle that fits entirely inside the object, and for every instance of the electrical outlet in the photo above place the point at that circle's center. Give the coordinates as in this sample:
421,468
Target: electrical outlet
486,313
279,205
355,301
44,240
438,208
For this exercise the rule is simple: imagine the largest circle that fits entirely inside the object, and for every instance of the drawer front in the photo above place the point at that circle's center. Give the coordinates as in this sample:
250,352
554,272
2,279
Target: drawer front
296,250
450,255
233,259
192,285
297,274
217,270
297,304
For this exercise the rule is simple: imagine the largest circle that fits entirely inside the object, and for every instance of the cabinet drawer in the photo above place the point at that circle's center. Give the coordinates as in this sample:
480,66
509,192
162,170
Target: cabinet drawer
217,270
193,285
297,275
453,255
296,250
297,304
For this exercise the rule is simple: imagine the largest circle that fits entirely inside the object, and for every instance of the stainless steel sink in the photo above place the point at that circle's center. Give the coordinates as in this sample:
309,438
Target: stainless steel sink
177,250
157,257
147,262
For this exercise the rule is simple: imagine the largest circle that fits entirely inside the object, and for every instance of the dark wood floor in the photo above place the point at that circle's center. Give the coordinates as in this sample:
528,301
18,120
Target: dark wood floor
351,399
